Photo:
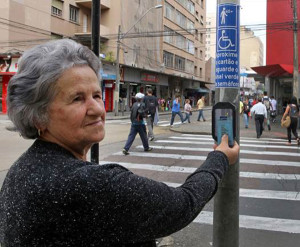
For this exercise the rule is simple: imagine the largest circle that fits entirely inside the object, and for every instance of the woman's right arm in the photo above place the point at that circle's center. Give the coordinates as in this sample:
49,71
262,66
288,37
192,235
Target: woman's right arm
286,111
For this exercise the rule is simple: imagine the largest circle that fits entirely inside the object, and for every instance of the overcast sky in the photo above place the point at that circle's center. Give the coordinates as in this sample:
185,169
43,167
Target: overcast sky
253,12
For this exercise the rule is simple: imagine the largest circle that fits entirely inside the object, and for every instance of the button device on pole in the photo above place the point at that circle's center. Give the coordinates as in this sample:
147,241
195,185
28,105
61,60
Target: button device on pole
224,122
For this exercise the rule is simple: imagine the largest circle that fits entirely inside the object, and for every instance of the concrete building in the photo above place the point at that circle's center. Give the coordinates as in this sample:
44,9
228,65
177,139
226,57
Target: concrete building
161,48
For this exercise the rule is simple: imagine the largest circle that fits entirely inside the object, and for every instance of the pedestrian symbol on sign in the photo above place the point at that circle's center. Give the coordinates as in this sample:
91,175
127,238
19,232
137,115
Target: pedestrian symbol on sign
223,15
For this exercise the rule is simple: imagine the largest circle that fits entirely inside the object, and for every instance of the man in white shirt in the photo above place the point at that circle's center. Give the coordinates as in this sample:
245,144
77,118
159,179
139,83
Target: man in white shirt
260,112
273,112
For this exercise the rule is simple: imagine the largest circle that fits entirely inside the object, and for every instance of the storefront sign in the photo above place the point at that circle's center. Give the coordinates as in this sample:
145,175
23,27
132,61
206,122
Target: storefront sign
227,56
149,77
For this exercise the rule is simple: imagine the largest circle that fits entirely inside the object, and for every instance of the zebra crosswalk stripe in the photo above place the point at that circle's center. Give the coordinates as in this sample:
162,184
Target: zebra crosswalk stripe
241,151
188,170
199,157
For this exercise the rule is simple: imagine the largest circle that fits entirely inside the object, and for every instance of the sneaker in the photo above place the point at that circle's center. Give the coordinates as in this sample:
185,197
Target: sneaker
151,138
125,152
148,149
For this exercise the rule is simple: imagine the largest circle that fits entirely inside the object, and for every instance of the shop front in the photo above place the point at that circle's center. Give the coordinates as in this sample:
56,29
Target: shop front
8,67
108,75
137,80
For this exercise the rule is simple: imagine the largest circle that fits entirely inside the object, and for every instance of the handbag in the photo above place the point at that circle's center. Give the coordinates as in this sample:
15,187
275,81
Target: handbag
191,113
286,123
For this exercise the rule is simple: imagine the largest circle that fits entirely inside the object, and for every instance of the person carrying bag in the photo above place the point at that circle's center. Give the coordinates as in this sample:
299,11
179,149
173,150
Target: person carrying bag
290,120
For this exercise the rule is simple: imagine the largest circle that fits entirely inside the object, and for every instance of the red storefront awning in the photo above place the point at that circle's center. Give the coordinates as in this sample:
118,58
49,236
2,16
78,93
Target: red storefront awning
274,70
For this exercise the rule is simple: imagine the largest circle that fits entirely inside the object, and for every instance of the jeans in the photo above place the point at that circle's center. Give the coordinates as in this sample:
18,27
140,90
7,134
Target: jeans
246,119
201,115
187,117
259,121
141,129
173,117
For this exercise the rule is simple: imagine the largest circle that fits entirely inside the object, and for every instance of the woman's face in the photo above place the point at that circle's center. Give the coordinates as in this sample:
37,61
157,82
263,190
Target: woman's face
77,114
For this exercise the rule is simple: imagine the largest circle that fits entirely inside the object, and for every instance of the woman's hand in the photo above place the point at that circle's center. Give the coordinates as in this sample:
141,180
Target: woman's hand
231,153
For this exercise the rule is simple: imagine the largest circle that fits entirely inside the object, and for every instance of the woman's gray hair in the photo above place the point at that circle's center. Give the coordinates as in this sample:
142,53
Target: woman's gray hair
32,89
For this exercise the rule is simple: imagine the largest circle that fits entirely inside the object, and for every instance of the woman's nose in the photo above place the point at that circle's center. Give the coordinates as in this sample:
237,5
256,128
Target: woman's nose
95,107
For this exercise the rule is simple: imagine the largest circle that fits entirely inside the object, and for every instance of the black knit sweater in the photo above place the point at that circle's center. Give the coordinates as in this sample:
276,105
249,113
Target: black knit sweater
50,198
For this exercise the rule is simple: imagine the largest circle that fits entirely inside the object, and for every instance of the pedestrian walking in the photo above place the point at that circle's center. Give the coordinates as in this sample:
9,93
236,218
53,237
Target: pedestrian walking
292,110
266,101
187,111
273,112
151,104
246,112
138,113
201,104
176,110
260,112
53,196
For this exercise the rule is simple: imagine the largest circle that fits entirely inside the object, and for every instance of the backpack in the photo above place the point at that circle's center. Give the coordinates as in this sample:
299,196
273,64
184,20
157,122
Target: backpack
137,112
267,103
151,104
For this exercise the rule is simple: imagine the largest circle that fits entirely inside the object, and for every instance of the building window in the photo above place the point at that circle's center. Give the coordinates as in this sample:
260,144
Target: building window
195,70
168,35
169,11
179,63
201,37
202,3
201,20
74,14
168,59
189,68
180,41
200,72
190,46
190,26
191,6
56,7
180,19
201,54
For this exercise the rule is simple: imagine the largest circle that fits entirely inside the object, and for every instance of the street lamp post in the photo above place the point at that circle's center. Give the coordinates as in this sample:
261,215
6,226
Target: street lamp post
120,37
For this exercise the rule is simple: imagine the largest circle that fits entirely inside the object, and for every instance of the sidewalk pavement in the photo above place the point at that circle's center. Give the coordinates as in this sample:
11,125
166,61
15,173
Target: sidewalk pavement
201,127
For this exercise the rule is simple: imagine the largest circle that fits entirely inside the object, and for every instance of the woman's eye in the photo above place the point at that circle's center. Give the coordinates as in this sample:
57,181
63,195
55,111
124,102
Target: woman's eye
98,96
78,98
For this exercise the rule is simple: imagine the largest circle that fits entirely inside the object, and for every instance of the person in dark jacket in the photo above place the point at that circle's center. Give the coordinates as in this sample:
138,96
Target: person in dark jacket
292,110
137,115
53,196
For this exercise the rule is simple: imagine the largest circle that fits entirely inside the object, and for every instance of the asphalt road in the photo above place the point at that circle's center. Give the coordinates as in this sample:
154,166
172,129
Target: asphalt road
269,179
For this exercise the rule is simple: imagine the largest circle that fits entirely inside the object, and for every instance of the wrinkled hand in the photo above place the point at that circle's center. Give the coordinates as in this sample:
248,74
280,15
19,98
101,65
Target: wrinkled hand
231,153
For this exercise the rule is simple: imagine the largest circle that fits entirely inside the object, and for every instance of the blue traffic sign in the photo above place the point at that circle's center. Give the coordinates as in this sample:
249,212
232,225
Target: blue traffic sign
227,43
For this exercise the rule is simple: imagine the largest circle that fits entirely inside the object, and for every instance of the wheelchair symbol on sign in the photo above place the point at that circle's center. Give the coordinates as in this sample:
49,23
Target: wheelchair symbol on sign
224,42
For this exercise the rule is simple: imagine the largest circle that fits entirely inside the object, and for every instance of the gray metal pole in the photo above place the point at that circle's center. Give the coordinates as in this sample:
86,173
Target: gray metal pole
226,201
95,42
117,86
296,71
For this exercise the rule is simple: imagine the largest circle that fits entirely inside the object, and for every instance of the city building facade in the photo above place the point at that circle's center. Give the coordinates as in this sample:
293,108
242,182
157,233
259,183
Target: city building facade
161,47
278,71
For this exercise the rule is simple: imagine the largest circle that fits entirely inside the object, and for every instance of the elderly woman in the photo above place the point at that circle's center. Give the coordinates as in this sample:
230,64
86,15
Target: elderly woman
52,196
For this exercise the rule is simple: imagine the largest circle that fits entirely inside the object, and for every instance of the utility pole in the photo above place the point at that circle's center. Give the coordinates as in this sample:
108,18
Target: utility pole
226,201
296,69
117,85
95,43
